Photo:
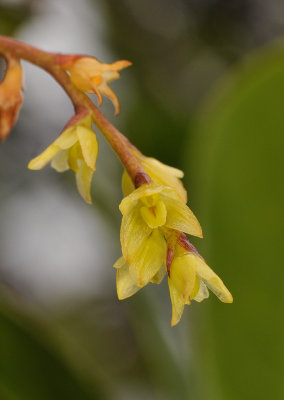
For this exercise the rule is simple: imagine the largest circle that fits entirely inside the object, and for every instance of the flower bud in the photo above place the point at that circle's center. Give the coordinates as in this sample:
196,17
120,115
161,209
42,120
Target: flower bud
10,96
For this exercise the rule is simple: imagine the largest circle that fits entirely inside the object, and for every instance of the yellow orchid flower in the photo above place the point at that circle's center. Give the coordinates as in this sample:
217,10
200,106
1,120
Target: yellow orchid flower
159,173
147,211
189,277
76,148
92,76
10,96
153,218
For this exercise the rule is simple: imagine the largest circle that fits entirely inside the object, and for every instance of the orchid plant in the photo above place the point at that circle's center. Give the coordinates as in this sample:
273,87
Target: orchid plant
155,215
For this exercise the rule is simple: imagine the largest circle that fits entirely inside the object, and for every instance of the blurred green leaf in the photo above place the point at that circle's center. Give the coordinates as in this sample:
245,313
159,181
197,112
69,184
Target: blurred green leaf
12,16
237,159
155,131
31,366
169,376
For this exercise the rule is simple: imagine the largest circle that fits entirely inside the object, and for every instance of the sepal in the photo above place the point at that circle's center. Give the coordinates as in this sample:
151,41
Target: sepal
11,97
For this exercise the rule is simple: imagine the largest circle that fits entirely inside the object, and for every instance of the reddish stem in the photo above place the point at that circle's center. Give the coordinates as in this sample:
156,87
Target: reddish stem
50,62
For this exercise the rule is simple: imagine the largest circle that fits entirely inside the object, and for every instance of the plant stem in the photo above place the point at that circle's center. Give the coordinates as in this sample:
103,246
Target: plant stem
50,62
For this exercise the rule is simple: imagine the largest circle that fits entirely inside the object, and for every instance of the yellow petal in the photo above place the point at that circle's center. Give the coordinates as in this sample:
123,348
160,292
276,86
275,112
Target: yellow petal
159,275
89,145
165,175
119,263
83,83
82,71
84,179
127,184
118,65
133,232
74,155
124,284
213,281
154,216
180,217
67,138
109,75
86,121
195,288
202,293
182,274
149,259
150,201
164,169
97,92
97,80
87,65
44,158
106,90
177,303
60,161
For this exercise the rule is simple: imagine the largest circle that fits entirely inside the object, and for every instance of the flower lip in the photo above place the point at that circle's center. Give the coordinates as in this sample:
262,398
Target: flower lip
154,215
179,216
143,191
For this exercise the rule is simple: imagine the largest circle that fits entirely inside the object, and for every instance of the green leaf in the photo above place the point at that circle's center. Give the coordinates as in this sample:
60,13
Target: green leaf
238,161
31,365
12,16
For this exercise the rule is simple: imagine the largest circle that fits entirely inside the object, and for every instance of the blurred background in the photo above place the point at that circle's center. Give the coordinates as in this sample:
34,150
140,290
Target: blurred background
205,94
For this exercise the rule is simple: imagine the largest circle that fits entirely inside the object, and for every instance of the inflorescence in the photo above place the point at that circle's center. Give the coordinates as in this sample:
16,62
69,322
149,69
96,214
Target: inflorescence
155,216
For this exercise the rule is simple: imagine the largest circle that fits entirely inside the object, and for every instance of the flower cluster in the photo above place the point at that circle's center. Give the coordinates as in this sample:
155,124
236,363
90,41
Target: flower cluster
77,148
155,218
155,215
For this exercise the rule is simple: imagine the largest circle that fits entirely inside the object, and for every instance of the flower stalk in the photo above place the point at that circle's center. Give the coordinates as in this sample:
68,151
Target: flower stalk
51,62
155,215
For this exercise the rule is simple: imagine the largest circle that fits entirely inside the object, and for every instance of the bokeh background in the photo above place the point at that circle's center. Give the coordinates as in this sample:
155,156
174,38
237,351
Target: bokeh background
205,94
